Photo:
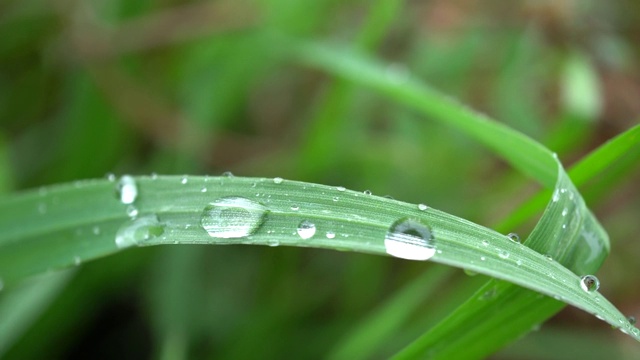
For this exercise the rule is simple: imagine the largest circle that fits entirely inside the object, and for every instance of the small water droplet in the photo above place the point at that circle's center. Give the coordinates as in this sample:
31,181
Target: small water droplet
127,190
228,174
273,243
482,258
184,180
277,180
232,217
631,320
330,235
135,232
154,176
306,229
422,207
514,237
367,192
635,331
548,257
556,196
410,239
389,197
77,261
341,188
470,272
335,198
503,254
295,207
485,242
204,189
132,211
96,230
589,283
111,177
565,211
519,262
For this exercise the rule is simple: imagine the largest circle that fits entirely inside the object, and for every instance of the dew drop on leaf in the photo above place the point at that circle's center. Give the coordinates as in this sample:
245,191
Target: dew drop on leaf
136,232
232,217
589,283
514,237
631,320
127,190
503,254
410,239
422,207
340,188
331,235
306,229
277,180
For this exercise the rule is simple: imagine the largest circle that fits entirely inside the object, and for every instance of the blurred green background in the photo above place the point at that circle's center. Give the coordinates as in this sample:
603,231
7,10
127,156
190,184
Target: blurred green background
182,87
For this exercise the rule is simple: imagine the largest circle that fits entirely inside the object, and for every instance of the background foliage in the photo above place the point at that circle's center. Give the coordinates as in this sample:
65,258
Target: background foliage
90,87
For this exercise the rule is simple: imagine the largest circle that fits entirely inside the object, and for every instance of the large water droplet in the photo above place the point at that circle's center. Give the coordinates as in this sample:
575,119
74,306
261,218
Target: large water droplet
277,180
306,229
232,217
127,189
135,232
422,207
589,283
632,320
410,239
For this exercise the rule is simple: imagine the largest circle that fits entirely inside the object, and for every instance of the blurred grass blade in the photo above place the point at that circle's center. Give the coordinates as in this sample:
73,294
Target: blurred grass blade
20,308
372,332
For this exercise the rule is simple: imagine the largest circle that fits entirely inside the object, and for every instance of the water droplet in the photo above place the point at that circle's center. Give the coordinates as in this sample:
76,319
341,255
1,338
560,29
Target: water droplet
335,198
77,261
295,207
589,283
127,189
232,217
470,272
330,235
635,331
367,192
111,177
277,180
135,232
306,229
514,237
482,258
96,230
204,189
485,242
519,262
503,254
154,176
341,188
565,211
410,239
273,243
548,257
389,197
132,211
228,174
422,207
631,320
556,196
184,180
